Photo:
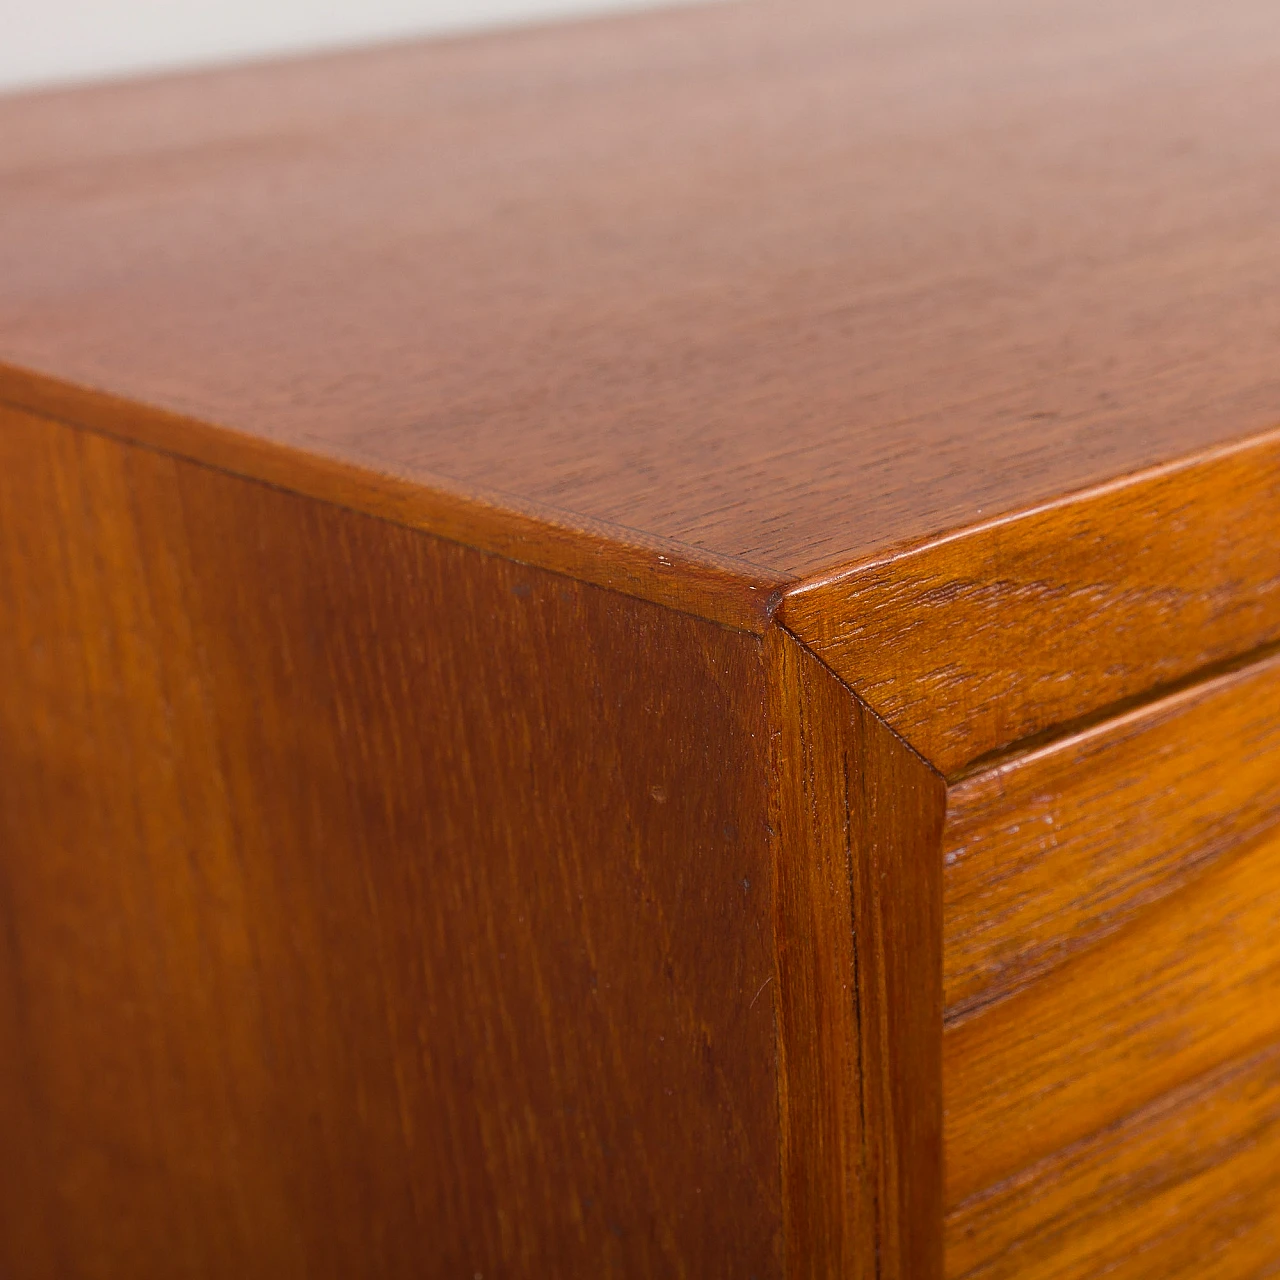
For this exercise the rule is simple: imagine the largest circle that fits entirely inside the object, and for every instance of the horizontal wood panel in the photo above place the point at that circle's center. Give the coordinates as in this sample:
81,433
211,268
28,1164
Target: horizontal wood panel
1190,983
1187,1187
995,635
1052,851
793,283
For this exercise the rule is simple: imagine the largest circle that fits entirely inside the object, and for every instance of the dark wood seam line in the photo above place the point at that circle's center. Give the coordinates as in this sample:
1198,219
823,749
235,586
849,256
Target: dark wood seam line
1192,869
867,1172
780,1075
781,1058
906,743
768,604
1002,757
1186,1092
862,1073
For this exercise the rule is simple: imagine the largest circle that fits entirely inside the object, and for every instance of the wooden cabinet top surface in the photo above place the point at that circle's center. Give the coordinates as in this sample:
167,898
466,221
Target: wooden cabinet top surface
718,306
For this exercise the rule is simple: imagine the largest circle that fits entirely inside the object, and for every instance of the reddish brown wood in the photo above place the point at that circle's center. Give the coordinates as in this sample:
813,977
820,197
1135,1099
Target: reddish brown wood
370,905
341,853
1054,850
1111,914
895,814
700,304
344,930
1009,629
829,1199
1189,1186
628,560
1192,983
858,819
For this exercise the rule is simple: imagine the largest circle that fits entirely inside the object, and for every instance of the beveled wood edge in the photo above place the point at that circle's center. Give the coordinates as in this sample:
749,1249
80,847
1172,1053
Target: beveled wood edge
1165,707
725,592
730,592
1189,463
733,593
826,594
829,1210
861,703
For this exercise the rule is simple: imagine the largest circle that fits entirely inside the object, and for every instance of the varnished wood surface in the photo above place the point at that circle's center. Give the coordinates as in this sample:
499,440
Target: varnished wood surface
996,635
789,283
895,815
1191,983
709,305
1111,976
372,905
1051,852
940,334
649,568
344,933
857,816
1188,1187
829,1196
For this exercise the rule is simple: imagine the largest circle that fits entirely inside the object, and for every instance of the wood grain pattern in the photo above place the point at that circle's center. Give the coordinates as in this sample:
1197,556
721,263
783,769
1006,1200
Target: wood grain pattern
829,1201
530,523
1190,984
858,818
690,579
702,305
1055,850
895,816
1188,1187
793,284
977,641
368,905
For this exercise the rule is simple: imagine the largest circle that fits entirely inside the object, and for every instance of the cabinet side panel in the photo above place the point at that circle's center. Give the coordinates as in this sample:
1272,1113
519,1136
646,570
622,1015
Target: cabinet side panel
858,819
368,905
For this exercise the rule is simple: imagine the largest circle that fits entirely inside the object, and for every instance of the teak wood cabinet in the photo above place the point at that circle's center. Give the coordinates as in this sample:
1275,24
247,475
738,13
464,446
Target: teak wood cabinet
649,647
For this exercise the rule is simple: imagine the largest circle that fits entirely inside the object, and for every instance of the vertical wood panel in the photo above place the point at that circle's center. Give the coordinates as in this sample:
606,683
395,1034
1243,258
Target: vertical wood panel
829,1200
858,818
368,905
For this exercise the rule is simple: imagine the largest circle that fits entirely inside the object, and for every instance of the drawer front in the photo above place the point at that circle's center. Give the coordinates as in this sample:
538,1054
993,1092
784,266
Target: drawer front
1112,941
1048,854
1186,1187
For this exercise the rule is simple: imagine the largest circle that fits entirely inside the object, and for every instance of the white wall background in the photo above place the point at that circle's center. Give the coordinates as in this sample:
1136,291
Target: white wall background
56,41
